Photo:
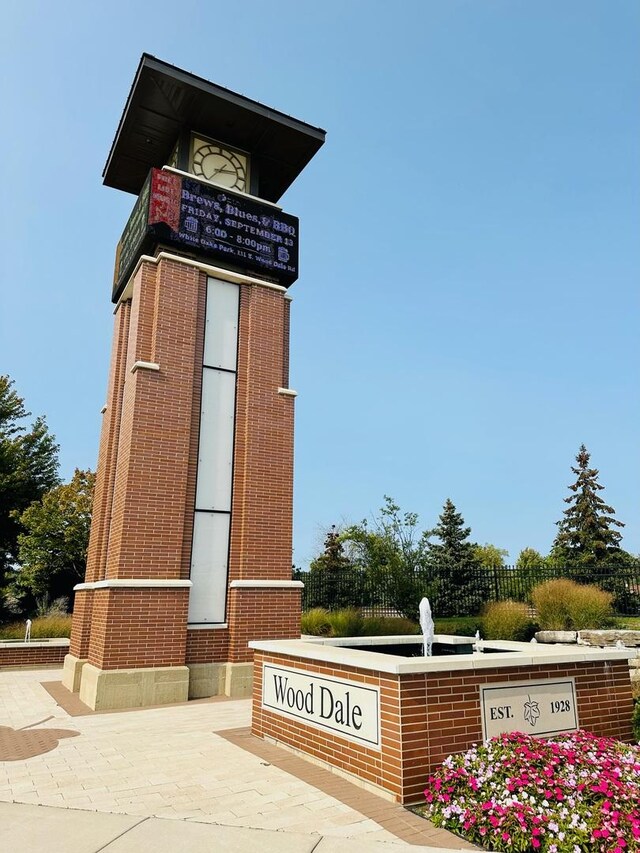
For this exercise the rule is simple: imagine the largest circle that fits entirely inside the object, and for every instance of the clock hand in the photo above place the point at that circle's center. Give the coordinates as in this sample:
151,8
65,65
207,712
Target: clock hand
221,171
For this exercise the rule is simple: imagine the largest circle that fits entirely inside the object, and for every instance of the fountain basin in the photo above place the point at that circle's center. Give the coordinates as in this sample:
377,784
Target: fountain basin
366,707
39,653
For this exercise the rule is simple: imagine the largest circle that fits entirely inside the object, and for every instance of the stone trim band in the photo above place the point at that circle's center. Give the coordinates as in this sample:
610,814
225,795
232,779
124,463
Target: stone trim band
133,583
266,585
144,365
214,272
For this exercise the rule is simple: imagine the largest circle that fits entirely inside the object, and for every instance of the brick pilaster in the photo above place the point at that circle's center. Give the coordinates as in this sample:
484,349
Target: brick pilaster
148,471
262,510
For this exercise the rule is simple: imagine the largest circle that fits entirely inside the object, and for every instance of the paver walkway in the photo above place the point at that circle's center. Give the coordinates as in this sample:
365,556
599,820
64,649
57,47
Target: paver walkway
172,762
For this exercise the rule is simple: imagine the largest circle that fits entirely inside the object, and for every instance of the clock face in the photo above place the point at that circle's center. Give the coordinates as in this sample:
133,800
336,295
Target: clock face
225,167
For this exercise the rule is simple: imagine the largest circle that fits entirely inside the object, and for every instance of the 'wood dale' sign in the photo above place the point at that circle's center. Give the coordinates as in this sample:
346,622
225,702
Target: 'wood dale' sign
346,708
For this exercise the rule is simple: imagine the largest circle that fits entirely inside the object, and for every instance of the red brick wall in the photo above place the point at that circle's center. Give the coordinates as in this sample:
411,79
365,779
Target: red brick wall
261,614
107,455
449,720
105,473
12,657
152,487
138,628
145,492
81,623
286,325
208,646
427,717
380,767
262,507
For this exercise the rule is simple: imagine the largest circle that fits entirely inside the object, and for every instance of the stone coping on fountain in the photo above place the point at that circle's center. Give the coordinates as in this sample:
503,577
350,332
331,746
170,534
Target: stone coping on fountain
38,642
332,650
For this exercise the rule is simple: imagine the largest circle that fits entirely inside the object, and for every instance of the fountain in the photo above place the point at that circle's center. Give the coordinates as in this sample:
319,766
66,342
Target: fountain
427,626
388,710
478,646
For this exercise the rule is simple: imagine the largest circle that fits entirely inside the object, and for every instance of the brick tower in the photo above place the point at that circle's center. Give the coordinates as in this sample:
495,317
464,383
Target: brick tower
191,541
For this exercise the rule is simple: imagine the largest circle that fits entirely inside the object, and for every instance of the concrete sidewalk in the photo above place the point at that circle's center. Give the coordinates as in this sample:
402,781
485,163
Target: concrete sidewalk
36,828
178,777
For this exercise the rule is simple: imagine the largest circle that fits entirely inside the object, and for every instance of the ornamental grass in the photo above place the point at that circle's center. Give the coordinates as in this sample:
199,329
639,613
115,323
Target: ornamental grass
574,793
44,627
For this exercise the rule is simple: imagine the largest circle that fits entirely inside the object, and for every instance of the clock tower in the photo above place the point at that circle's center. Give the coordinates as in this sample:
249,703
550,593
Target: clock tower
191,539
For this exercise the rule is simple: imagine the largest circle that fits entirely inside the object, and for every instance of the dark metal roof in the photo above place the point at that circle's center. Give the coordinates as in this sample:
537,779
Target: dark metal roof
164,100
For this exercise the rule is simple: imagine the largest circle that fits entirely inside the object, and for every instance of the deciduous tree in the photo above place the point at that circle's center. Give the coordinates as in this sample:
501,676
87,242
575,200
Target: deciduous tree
333,558
331,580
28,468
392,551
529,558
490,556
53,547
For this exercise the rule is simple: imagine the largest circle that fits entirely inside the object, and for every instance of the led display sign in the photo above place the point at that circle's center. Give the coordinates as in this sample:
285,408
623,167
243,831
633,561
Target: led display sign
177,211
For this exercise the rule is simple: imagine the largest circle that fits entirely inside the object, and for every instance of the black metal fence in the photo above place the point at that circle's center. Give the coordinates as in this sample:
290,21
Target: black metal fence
334,590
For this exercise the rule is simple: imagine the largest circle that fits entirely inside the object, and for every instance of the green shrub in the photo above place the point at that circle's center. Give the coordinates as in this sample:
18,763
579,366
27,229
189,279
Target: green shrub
460,626
383,626
549,600
564,605
508,620
316,622
350,622
346,623
636,720
44,628
590,607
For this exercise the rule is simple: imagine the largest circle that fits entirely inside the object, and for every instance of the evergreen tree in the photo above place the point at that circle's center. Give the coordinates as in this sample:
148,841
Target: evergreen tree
461,584
28,468
586,534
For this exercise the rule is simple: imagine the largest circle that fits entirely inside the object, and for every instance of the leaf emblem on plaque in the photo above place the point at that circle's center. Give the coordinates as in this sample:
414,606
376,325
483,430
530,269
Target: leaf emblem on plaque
531,711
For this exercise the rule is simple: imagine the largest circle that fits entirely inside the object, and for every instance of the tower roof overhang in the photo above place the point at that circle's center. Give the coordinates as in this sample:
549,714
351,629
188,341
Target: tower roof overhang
164,101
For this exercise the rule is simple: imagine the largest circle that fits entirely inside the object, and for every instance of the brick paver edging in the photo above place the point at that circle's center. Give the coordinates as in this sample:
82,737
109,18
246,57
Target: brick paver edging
402,823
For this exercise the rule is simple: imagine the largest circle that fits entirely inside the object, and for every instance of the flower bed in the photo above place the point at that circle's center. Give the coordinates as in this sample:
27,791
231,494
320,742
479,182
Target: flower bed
570,794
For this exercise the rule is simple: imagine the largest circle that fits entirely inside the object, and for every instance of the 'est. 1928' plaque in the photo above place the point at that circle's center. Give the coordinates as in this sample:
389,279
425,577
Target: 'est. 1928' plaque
178,211
538,708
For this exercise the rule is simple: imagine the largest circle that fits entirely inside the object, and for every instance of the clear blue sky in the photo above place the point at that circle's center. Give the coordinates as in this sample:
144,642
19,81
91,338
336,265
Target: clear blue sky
468,307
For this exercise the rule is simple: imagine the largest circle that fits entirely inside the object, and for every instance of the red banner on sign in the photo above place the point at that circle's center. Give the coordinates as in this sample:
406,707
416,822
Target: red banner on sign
164,204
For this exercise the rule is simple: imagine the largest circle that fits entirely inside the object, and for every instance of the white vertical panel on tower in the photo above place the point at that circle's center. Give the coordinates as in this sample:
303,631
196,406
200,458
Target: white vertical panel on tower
209,564
221,325
215,453
212,520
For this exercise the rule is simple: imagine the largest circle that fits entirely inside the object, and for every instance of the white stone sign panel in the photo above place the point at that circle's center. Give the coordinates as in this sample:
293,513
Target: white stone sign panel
346,708
538,708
